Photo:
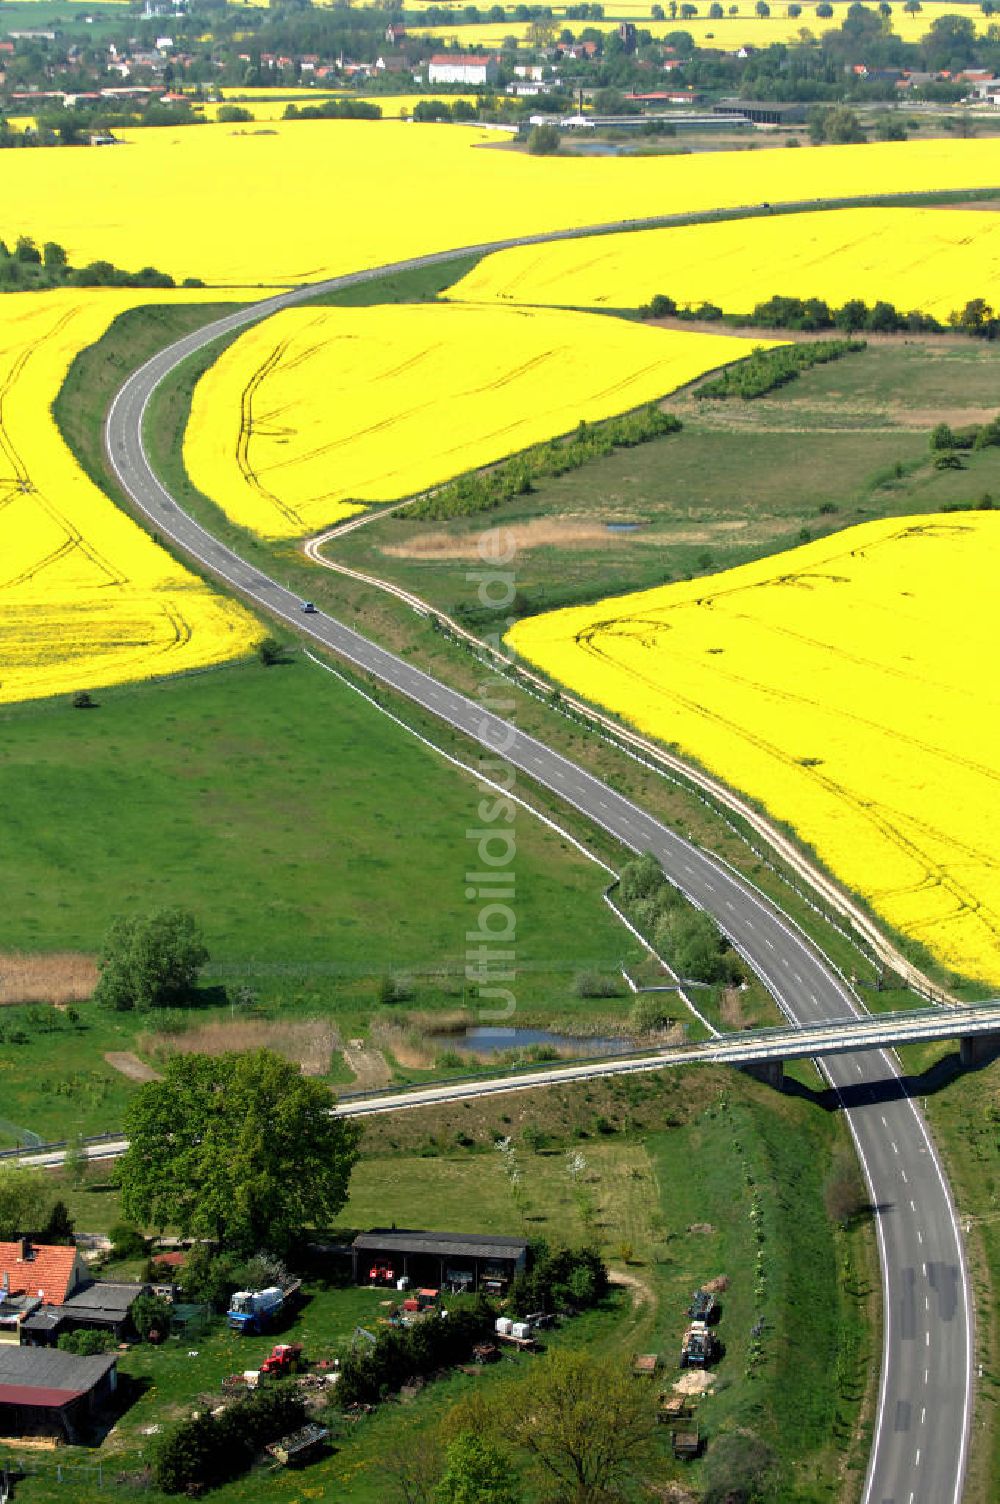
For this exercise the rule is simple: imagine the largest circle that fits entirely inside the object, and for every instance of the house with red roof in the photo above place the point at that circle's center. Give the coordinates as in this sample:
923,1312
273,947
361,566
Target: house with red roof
47,1272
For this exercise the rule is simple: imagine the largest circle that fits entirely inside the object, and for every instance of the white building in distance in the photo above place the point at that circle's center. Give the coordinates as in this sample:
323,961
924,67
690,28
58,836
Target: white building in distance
461,68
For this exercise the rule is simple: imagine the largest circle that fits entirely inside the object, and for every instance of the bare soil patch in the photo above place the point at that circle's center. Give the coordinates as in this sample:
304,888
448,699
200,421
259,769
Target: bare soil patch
573,532
60,978
731,1009
368,1064
955,417
131,1066
541,532
308,1043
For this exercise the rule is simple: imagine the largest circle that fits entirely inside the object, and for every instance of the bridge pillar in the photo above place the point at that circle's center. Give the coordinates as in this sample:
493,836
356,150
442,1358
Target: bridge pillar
771,1072
973,1049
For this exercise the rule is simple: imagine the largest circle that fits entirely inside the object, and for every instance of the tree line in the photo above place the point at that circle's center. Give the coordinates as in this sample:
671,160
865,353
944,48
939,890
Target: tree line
484,491
812,315
765,370
29,267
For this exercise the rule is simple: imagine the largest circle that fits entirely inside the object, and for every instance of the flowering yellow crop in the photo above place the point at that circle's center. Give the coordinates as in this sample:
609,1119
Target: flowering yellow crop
318,408
331,196
272,105
931,259
86,597
843,688
728,32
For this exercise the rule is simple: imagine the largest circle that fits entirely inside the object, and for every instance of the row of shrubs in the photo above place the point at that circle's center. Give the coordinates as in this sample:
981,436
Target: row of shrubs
974,436
765,370
815,314
209,1450
484,492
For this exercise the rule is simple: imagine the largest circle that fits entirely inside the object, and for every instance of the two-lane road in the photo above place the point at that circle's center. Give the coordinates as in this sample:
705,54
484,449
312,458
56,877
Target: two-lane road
922,1427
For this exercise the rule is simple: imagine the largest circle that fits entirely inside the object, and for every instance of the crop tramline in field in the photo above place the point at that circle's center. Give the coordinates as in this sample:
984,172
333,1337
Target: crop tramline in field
842,687
86,597
313,412
933,260
174,198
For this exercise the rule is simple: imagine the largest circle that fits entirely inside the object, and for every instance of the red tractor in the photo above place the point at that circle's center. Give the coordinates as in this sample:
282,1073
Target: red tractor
284,1358
382,1274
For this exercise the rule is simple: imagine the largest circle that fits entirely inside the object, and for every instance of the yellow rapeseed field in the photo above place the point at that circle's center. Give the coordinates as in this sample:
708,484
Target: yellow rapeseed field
931,259
728,32
317,409
294,200
841,687
86,597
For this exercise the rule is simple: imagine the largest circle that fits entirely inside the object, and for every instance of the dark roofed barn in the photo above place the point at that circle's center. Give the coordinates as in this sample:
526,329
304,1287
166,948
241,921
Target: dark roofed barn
44,1392
99,1303
444,1260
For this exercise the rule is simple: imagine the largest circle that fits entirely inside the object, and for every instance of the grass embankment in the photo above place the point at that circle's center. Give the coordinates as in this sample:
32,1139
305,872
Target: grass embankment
321,848
686,1178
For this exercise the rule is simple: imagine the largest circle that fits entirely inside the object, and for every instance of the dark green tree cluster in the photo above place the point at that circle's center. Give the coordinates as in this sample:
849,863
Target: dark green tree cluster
335,109
371,1372
239,1147
765,370
691,942
559,1279
205,1452
29,266
429,111
483,492
150,962
974,436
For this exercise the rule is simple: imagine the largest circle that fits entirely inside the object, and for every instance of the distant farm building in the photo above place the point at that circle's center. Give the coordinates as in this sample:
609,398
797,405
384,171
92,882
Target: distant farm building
441,1260
461,68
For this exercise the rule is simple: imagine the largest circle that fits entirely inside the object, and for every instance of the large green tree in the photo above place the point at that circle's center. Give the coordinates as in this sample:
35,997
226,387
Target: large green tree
238,1147
25,1200
476,1472
150,961
582,1424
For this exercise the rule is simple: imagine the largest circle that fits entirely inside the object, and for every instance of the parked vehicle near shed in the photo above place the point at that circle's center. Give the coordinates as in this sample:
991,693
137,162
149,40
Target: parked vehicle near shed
254,1311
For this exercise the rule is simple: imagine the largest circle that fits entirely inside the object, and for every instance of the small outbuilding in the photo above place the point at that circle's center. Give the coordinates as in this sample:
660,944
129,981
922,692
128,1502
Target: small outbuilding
44,1392
441,1260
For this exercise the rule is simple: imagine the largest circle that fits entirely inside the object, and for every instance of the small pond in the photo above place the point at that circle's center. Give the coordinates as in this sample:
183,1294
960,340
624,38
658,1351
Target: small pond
485,1041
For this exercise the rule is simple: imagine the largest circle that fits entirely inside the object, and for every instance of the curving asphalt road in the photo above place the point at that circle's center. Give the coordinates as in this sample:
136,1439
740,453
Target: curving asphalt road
921,1431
